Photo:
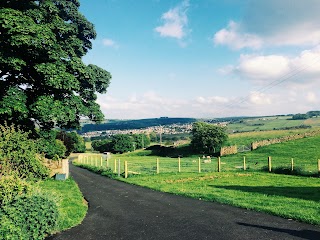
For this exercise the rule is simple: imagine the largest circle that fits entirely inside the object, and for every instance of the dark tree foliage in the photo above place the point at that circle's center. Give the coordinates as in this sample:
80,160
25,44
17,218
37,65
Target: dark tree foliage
73,142
43,80
122,143
140,141
207,138
300,116
51,147
102,145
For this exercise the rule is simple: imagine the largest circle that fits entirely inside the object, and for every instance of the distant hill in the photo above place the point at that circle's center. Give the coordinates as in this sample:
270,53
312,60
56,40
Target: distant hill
134,124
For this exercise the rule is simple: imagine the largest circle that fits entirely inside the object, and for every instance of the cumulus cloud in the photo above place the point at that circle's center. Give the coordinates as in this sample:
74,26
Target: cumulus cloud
274,69
174,22
261,67
235,39
273,23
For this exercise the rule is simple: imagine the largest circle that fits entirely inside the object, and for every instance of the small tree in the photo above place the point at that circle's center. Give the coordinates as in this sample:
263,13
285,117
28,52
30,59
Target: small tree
102,145
48,144
141,140
122,143
73,142
207,138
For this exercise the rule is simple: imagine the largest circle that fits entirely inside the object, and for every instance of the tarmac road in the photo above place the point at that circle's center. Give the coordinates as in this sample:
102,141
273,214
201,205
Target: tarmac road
121,211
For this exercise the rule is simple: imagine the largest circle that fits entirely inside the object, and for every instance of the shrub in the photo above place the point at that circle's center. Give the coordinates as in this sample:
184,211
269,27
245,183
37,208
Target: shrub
48,144
18,155
11,187
31,217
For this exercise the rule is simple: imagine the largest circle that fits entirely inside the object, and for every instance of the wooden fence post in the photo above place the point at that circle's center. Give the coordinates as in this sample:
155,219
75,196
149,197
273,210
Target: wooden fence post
179,164
118,167
115,166
100,161
125,169
107,163
291,164
269,164
158,169
244,163
199,165
219,164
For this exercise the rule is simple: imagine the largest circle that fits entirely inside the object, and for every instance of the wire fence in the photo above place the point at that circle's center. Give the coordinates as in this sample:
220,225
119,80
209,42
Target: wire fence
152,165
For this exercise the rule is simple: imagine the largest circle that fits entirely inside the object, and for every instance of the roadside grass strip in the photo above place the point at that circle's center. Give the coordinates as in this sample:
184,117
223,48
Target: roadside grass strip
71,204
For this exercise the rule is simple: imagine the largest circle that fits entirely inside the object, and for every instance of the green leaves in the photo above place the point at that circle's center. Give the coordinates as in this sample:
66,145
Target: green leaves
207,138
18,155
42,43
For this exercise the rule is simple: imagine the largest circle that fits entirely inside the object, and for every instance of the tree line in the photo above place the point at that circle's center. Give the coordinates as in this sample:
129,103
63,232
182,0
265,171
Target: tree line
121,143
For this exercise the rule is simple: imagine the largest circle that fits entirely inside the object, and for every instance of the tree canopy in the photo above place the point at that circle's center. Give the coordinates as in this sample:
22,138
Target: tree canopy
207,138
43,80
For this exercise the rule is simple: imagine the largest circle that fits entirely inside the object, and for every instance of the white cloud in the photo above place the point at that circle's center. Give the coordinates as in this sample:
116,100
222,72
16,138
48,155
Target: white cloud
233,38
308,61
274,69
258,98
153,105
262,67
109,43
273,23
212,100
175,22
311,97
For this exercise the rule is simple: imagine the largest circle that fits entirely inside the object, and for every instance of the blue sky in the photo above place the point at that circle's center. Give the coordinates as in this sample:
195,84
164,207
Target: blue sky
206,58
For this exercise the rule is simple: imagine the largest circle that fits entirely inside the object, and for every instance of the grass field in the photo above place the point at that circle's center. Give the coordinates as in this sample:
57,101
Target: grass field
271,123
286,196
246,138
305,153
72,208
289,196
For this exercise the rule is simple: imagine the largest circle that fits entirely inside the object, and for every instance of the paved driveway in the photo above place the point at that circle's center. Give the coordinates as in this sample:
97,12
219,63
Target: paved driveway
121,211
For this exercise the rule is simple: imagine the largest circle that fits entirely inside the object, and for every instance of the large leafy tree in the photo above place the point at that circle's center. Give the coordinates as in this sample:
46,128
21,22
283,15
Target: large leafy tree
207,138
43,81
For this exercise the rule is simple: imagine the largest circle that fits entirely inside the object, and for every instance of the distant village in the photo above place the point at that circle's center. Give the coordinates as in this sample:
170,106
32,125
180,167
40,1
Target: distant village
166,129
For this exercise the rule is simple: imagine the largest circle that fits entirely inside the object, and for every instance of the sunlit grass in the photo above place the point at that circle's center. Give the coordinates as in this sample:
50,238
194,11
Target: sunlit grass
286,196
71,204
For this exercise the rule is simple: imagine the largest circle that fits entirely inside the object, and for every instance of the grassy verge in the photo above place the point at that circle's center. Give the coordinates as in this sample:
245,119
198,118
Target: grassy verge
72,208
282,195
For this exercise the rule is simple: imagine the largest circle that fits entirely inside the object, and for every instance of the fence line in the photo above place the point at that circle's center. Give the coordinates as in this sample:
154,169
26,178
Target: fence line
178,165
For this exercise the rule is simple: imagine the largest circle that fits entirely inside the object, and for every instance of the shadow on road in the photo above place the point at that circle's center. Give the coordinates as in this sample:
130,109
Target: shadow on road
306,193
306,234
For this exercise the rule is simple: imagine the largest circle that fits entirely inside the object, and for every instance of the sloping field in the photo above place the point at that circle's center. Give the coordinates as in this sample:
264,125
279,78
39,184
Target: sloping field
305,153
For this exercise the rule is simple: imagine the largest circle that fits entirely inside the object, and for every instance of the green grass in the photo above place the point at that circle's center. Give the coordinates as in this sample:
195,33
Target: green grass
88,146
305,153
248,137
282,195
294,197
265,123
72,207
